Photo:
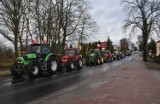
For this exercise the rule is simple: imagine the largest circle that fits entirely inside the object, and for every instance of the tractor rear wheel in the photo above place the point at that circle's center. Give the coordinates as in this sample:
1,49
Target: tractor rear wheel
33,70
52,66
14,71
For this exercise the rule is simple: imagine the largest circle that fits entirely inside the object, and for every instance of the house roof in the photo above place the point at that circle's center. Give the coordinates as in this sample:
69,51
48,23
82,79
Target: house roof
103,44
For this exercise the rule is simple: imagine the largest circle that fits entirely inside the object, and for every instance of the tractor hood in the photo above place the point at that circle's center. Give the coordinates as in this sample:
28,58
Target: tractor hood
66,57
30,56
26,59
92,54
21,60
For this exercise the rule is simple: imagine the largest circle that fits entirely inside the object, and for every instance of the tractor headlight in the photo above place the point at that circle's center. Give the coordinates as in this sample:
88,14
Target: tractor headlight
19,62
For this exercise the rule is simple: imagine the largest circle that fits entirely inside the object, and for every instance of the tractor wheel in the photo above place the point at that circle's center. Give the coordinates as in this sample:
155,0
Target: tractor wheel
70,66
98,61
33,70
112,59
79,64
102,60
14,71
52,66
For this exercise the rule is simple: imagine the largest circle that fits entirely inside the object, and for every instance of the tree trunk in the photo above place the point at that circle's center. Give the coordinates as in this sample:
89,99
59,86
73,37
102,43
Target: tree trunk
145,51
16,46
63,42
145,41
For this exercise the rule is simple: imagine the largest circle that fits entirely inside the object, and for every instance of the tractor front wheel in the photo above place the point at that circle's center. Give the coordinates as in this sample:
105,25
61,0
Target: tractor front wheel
70,66
52,66
14,71
98,61
102,60
79,64
33,70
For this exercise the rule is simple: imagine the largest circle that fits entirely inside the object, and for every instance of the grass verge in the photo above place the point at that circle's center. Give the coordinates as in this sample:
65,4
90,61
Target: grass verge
5,68
152,65
5,73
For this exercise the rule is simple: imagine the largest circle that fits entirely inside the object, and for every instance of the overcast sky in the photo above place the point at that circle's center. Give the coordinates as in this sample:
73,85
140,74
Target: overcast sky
110,17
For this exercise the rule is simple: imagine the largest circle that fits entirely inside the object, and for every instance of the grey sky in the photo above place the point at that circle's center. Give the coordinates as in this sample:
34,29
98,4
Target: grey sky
110,17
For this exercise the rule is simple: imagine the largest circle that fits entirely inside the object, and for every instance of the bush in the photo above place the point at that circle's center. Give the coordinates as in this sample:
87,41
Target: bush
156,59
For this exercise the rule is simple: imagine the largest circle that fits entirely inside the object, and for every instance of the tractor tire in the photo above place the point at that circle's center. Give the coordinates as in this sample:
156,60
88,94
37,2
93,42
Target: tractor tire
112,59
70,66
101,60
98,61
52,66
14,71
79,64
33,70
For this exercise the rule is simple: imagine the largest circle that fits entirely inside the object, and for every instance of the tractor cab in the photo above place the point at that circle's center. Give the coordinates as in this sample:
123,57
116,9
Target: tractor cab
39,48
71,52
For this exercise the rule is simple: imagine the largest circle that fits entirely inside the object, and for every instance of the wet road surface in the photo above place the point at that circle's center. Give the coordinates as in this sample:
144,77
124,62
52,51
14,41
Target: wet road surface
23,90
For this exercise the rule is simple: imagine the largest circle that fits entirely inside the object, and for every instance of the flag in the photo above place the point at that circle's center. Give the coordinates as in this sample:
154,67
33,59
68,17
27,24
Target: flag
33,41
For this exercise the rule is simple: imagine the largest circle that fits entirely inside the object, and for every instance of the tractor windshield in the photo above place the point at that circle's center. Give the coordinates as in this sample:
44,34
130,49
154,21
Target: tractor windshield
35,49
97,51
70,52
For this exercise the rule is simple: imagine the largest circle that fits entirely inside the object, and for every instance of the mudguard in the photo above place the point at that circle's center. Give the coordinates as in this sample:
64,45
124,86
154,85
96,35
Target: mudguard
79,56
49,55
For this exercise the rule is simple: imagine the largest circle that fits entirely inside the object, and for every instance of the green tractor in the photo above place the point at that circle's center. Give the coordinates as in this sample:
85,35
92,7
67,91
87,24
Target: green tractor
94,57
38,58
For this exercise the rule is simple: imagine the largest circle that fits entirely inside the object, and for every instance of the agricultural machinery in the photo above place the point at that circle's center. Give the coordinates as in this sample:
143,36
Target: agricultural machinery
37,59
94,57
72,59
108,57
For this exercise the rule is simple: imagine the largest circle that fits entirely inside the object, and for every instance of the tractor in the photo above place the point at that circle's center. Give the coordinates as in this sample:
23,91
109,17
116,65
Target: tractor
94,57
108,57
38,58
72,59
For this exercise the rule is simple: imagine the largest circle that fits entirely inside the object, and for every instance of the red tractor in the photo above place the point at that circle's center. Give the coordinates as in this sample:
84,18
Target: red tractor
72,58
108,57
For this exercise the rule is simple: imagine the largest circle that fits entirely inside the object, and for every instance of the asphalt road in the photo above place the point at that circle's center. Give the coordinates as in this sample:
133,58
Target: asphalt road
23,90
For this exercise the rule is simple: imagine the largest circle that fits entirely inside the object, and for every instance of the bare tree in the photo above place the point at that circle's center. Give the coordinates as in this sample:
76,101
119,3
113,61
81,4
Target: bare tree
11,20
140,42
143,15
124,45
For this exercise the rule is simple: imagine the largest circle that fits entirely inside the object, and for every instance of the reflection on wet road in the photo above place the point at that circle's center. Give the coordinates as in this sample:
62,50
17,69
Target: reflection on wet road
23,90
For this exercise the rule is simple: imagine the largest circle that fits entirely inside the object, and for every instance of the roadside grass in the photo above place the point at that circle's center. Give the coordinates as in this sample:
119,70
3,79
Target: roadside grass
5,73
5,68
151,64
